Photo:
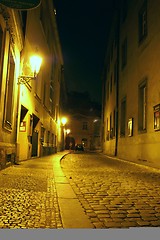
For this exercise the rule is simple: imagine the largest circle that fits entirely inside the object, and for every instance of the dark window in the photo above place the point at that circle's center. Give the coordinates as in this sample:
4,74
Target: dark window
142,107
23,16
124,53
85,126
143,22
9,92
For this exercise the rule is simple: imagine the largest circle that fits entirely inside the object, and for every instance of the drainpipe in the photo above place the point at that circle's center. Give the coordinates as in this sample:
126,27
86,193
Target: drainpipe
117,82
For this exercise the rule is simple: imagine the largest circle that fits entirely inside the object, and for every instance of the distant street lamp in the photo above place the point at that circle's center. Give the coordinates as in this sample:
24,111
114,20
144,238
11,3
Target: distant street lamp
64,121
68,131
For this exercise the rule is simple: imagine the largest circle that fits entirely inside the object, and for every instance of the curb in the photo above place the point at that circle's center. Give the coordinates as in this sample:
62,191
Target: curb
72,213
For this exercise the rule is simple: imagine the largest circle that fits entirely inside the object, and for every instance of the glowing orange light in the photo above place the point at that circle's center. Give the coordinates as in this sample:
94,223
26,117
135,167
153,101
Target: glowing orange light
35,62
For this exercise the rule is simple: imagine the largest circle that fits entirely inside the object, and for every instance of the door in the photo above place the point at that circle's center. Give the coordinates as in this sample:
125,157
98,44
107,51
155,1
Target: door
34,143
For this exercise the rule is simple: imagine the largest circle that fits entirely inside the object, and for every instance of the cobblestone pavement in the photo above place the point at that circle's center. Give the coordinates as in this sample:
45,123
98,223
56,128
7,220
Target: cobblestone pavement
28,197
114,193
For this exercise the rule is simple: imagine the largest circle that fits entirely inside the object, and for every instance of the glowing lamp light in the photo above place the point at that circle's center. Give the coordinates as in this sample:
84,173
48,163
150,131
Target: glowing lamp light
35,62
68,131
64,120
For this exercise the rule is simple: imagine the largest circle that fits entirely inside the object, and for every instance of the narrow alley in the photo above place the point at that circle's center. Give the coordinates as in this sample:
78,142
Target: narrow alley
79,190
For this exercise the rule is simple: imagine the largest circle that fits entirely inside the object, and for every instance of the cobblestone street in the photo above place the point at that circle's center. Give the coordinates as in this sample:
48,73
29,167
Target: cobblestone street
114,193
105,193
28,196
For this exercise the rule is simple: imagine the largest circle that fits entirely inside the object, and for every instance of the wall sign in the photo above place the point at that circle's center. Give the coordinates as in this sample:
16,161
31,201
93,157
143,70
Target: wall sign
21,4
22,127
156,117
130,127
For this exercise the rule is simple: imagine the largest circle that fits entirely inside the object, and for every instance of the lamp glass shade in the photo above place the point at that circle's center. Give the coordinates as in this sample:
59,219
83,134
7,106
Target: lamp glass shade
63,120
35,62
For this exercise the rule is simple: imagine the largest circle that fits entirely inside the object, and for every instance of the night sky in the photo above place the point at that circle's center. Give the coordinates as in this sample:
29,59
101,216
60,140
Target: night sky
83,29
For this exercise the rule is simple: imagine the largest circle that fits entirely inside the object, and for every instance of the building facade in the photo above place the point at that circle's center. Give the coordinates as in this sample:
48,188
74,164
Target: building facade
84,121
131,97
84,129
30,107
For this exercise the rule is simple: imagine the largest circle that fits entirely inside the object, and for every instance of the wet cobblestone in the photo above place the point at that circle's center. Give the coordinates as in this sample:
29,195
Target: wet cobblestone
114,193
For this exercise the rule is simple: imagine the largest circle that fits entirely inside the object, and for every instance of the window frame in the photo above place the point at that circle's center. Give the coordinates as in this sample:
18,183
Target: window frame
142,23
142,106
9,91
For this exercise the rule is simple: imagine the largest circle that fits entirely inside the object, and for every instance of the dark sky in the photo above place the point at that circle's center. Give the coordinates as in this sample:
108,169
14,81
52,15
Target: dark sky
83,28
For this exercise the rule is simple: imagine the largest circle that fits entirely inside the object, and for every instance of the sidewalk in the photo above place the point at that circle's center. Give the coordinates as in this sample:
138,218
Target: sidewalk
72,213
144,163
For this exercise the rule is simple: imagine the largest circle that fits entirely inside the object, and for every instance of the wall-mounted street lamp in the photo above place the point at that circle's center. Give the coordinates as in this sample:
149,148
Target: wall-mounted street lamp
64,121
35,64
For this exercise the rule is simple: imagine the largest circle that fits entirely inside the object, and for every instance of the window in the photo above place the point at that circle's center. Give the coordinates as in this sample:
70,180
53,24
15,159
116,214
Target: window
52,140
156,117
142,20
23,18
9,92
85,126
142,106
48,138
51,98
124,53
123,117
42,135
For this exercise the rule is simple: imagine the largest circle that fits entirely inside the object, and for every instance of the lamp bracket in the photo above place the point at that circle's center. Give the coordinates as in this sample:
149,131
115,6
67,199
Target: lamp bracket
25,79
